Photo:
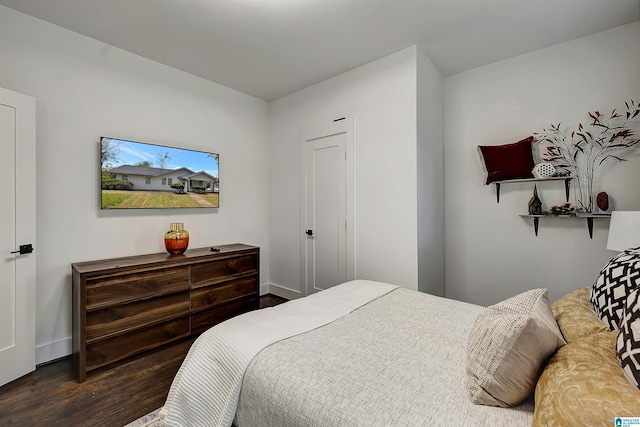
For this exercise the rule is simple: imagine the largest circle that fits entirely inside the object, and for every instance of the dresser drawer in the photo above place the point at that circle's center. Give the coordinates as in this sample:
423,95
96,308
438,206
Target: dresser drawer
212,271
124,307
108,290
203,320
218,294
118,318
110,350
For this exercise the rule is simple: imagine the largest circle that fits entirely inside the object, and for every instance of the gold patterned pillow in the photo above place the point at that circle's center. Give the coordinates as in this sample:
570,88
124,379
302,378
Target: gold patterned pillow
575,317
508,346
582,385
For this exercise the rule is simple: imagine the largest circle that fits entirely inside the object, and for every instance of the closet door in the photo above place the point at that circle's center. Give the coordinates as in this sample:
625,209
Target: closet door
328,207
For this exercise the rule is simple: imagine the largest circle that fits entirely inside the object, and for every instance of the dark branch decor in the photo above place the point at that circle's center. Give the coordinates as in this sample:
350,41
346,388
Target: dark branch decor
584,150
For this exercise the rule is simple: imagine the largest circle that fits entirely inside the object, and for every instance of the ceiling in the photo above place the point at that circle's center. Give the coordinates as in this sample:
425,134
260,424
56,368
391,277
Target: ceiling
270,48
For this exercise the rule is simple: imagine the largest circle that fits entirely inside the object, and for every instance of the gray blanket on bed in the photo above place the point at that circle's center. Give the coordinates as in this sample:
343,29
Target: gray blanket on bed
397,361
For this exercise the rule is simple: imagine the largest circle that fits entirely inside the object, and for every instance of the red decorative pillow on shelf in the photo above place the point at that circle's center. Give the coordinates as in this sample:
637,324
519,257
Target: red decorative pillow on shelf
509,161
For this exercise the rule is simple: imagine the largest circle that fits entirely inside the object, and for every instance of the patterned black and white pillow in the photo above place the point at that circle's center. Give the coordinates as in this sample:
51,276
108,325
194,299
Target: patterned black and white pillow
628,342
616,281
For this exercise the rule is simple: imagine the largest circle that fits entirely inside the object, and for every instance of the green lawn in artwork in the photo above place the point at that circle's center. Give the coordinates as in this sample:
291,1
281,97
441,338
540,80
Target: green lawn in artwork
211,198
114,199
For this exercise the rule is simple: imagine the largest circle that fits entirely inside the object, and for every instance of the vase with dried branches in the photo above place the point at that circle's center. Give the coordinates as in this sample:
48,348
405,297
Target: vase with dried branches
583,151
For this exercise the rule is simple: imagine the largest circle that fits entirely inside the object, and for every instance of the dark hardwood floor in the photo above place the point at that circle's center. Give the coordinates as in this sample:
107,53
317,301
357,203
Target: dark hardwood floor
51,395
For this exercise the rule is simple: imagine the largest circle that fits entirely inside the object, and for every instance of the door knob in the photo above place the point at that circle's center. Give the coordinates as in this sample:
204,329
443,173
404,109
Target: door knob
24,249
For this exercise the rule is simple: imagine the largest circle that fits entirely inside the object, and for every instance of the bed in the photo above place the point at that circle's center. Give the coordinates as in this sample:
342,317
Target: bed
367,353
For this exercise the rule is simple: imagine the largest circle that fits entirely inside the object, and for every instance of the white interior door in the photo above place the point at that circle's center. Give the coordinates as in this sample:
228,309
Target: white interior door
18,216
328,207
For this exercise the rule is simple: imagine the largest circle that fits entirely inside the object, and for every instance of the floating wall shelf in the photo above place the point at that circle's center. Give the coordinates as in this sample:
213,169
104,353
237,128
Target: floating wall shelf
566,179
588,217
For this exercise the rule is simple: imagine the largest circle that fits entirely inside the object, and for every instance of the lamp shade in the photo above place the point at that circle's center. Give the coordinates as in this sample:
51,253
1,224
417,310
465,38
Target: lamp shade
624,230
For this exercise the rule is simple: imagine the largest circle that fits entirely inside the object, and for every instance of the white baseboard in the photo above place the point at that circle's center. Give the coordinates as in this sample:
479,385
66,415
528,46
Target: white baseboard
264,289
53,350
284,292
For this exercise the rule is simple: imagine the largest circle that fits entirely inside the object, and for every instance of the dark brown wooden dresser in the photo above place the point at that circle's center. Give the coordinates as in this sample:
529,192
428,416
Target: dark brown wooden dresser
125,306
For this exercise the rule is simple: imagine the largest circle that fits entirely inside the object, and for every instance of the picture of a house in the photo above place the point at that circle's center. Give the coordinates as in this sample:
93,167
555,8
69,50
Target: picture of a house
140,175
158,179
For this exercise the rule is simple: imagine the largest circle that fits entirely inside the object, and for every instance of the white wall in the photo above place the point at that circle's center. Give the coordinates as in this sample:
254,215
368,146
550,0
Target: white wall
430,163
381,97
492,253
85,89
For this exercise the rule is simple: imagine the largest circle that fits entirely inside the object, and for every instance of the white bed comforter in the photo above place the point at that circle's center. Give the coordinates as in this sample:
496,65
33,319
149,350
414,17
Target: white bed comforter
205,390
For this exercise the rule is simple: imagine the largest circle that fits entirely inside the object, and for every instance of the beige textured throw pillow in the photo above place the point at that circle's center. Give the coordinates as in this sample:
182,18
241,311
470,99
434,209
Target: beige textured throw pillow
508,346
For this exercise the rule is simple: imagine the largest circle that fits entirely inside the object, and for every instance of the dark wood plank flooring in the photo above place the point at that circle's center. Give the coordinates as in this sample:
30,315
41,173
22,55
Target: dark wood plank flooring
51,396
